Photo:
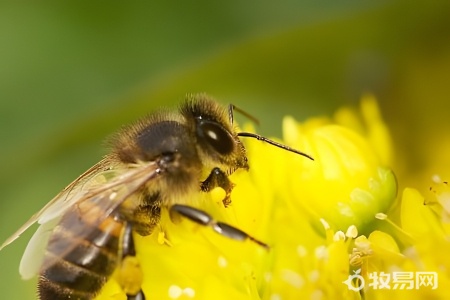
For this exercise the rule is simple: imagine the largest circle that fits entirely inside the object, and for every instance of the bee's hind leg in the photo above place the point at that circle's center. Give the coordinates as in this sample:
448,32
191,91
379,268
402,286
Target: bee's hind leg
205,219
130,274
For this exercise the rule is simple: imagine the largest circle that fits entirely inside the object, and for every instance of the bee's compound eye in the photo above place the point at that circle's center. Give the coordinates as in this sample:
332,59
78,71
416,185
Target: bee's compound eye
216,136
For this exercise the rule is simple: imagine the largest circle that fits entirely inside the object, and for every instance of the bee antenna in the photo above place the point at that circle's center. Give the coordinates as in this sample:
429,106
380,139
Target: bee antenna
273,143
232,108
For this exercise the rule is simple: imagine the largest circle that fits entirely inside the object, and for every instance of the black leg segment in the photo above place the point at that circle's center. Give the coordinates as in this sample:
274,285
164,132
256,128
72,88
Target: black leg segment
129,262
128,248
138,296
205,219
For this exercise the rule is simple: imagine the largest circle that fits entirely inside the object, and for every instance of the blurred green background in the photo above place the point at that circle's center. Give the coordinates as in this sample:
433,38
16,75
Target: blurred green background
72,73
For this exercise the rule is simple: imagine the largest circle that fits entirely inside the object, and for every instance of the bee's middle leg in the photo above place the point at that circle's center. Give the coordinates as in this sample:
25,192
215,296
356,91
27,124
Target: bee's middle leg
203,218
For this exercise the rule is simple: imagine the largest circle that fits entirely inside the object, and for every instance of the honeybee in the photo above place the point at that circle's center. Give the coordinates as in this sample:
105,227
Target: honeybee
86,231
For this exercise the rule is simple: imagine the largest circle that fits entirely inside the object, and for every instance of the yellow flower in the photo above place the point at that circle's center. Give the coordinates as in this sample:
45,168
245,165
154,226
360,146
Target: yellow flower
418,256
348,183
334,225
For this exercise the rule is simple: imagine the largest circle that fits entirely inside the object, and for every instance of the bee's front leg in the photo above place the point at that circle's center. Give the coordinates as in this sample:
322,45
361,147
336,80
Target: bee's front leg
218,178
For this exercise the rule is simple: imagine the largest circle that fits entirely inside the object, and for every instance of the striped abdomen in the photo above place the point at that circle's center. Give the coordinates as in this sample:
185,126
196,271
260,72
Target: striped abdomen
77,268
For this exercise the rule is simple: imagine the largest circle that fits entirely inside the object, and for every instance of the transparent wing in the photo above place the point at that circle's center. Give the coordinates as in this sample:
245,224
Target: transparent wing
34,253
94,200
59,204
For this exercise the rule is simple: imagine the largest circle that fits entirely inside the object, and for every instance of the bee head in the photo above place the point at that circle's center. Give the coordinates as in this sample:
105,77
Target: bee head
216,137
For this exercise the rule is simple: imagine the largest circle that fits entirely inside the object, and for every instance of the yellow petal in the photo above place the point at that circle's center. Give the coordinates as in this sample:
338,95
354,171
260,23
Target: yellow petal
417,219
